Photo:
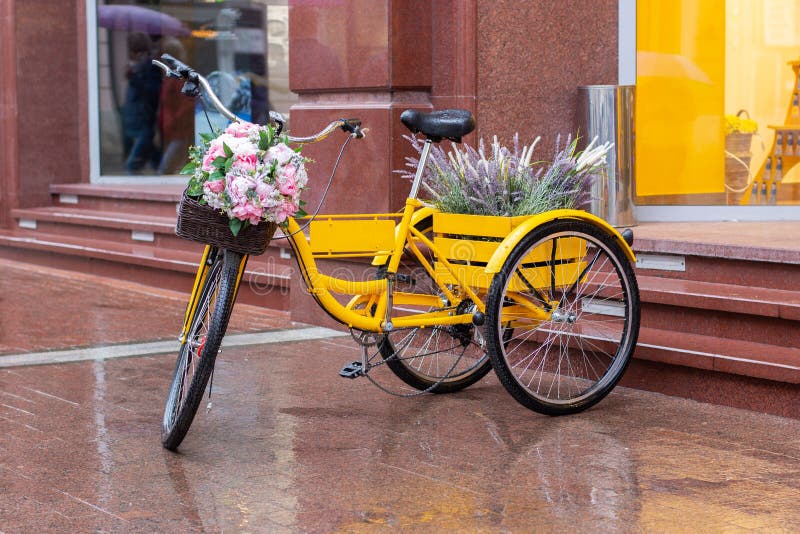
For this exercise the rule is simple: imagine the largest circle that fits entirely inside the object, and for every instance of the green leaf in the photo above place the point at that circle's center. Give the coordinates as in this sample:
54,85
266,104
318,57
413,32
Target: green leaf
216,175
300,213
219,162
207,137
235,225
189,168
227,149
195,189
228,165
265,140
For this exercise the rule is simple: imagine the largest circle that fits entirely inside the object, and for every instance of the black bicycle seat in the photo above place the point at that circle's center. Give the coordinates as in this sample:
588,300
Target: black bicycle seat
451,124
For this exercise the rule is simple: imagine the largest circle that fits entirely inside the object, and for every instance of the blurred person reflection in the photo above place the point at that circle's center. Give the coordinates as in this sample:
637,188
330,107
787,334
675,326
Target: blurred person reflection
175,116
141,104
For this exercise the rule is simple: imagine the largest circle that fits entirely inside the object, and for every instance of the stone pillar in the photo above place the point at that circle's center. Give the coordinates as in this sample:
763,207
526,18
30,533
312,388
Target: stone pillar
369,59
43,100
9,156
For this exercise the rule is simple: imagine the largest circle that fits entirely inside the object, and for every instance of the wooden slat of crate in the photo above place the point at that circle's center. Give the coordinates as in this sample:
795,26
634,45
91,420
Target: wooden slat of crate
343,236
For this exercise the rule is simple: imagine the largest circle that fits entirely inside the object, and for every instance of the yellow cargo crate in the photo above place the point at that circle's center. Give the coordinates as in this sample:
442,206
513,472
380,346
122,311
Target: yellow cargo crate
334,236
469,241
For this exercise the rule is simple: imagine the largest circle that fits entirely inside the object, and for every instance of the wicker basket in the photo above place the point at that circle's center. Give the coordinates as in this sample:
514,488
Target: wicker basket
201,223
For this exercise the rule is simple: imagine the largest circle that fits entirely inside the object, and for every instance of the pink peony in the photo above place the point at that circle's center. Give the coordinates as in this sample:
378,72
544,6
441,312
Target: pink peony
288,187
248,212
280,153
217,186
215,150
241,129
246,162
265,193
285,210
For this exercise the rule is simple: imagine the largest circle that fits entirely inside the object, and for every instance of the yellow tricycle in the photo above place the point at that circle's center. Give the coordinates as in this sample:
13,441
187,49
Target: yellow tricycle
550,301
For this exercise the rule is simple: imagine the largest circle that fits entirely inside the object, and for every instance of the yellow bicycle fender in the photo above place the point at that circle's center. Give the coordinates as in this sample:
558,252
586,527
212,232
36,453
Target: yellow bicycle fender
516,235
418,215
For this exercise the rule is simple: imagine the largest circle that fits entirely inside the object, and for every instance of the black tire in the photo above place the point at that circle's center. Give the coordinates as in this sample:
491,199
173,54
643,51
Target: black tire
420,357
198,352
571,361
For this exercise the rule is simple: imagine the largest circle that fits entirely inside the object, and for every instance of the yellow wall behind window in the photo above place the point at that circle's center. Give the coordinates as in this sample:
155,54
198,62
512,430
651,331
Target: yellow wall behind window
680,97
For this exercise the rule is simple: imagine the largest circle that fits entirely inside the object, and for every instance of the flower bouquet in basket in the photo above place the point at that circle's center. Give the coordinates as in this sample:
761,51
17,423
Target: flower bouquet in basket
244,182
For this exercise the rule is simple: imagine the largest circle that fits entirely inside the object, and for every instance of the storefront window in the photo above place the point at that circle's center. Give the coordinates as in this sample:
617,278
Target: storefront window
709,73
145,124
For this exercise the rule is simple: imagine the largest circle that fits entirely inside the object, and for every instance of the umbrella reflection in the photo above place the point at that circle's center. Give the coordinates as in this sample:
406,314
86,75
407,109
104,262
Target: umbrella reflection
139,19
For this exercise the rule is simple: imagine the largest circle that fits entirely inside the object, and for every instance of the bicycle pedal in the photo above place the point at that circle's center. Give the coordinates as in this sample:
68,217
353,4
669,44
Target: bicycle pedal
352,370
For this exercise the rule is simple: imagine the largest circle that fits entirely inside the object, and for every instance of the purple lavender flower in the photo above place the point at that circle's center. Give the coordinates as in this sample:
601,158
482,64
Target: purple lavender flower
495,180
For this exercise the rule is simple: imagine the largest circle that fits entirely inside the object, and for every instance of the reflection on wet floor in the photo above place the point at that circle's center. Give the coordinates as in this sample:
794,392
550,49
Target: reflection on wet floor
290,447
46,309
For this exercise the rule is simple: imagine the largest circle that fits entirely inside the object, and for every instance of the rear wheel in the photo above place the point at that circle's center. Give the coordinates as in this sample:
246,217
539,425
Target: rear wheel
563,317
207,323
450,358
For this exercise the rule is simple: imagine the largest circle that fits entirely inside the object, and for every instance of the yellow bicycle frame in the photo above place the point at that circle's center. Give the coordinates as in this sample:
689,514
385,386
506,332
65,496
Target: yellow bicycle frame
376,295
373,301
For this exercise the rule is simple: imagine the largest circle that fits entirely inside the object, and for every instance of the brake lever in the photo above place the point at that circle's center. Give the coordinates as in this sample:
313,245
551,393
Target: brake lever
353,127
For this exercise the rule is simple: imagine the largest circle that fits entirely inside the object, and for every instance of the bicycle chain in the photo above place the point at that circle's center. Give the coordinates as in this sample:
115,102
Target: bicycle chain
368,366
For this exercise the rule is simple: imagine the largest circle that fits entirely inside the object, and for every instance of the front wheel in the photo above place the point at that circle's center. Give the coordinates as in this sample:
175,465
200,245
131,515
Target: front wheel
563,317
208,315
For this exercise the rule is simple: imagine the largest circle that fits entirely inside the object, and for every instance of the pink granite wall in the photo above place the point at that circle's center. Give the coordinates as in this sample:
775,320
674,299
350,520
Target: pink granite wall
369,59
531,58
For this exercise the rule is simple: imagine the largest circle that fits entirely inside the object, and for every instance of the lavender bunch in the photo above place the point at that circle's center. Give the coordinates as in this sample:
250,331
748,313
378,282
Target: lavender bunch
496,180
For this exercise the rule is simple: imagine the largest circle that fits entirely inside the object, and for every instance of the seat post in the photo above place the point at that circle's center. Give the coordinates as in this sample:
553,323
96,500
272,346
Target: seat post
423,159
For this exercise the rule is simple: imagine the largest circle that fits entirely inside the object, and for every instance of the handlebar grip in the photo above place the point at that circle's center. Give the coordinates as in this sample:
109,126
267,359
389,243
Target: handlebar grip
185,71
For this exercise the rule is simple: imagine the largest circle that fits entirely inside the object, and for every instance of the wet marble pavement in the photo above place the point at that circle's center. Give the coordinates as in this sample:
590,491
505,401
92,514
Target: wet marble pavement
288,446
45,309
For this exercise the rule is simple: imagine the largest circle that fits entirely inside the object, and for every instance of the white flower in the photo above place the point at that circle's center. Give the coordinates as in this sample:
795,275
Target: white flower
592,155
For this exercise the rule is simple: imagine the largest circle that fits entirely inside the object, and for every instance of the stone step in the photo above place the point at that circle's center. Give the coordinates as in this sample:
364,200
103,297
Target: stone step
117,227
755,254
156,199
101,225
727,311
711,353
746,300
742,272
266,281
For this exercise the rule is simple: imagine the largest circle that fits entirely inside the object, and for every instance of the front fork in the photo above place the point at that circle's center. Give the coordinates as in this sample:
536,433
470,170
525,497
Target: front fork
210,255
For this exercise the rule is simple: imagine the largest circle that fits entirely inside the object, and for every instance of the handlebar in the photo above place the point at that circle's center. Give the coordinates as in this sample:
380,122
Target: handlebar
197,84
